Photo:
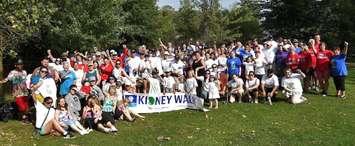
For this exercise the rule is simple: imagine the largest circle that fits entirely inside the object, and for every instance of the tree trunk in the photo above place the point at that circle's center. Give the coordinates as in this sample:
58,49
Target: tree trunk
2,94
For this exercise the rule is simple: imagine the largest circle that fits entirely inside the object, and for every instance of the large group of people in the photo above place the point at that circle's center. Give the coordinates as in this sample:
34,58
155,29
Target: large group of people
91,85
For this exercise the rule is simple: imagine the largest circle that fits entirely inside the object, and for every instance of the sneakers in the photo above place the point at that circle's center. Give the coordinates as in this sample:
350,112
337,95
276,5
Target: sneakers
113,129
69,136
106,130
269,100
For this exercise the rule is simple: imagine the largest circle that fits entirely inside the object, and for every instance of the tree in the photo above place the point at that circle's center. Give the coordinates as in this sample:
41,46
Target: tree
187,21
243,23
142,19
20,21
83,24
167,23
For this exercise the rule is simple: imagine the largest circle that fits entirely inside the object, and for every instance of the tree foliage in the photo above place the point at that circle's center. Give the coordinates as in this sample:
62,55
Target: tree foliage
334,20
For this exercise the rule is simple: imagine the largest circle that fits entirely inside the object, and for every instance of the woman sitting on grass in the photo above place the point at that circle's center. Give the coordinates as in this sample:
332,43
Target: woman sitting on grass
66,120
108,107
122,112
92,113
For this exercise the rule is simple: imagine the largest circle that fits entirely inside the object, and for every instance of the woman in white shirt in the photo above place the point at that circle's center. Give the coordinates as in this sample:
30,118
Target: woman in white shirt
252,87
269,85
260,63
292,86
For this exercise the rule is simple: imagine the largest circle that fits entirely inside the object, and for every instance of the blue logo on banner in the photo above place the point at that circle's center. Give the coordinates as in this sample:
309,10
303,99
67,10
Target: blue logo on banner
132,100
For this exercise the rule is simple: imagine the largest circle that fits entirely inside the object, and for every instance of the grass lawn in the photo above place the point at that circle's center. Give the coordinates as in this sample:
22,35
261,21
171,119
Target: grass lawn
320,121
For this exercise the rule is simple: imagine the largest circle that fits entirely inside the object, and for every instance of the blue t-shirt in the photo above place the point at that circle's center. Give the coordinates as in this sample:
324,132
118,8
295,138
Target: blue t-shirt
68,80
233,65
339,65
243,53
298,50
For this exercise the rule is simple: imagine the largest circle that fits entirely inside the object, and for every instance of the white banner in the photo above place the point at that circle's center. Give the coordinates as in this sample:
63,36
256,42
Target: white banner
144,103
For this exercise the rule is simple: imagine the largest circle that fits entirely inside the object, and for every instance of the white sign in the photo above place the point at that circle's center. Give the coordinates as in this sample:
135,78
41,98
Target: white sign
145,103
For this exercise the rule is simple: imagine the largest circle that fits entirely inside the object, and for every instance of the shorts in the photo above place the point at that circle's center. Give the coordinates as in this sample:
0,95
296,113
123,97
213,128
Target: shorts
204,94
107,117
22,103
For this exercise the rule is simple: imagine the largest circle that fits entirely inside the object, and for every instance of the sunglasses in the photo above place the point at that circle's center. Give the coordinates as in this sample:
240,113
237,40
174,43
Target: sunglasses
50,102
44,71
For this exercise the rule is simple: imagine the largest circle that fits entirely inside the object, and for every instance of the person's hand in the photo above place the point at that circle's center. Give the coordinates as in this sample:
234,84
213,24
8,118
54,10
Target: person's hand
124,46
346,44
49,51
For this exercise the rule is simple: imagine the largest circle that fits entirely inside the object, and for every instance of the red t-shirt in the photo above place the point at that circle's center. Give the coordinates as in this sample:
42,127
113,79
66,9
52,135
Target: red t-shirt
323,59
303,64
293,61
106,71
86,89
311,59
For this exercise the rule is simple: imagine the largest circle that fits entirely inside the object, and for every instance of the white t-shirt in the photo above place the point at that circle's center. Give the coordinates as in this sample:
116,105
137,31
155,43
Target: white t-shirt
269,54
166,65
222,60
249,66
236,83
156,63
79,78
56,67
293,83
169,82
260,63
154,86
191,85
209,63
179,67
133,63
252,83
41,112
270,82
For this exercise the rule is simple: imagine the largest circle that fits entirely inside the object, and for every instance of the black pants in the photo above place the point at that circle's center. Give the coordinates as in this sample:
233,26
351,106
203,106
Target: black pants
339,82
89,122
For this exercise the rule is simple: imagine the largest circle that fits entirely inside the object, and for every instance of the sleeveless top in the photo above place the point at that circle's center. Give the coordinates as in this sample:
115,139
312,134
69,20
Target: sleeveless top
195,65
91,74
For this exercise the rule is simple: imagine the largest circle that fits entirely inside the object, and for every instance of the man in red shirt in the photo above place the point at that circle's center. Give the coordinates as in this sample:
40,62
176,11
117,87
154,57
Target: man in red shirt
323,67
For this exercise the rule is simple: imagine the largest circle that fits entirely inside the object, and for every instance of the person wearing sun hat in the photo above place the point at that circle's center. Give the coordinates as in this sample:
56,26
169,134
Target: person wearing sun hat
17,77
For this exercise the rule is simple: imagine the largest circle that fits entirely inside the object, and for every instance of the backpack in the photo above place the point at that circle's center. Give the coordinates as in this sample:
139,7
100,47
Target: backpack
7,112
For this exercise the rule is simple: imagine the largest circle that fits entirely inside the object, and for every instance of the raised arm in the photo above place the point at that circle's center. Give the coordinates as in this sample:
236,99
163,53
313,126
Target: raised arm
346,46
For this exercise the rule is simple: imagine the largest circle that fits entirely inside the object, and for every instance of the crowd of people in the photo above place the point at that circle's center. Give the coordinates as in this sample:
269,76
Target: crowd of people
91,84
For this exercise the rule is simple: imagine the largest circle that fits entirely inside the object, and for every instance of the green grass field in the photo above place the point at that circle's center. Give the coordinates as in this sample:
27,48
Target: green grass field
320,121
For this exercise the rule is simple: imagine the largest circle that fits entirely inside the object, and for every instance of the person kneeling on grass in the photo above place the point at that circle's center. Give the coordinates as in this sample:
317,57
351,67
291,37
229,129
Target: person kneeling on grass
66,120
292,86
252,86
45,121
122,112
236,89
269,85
